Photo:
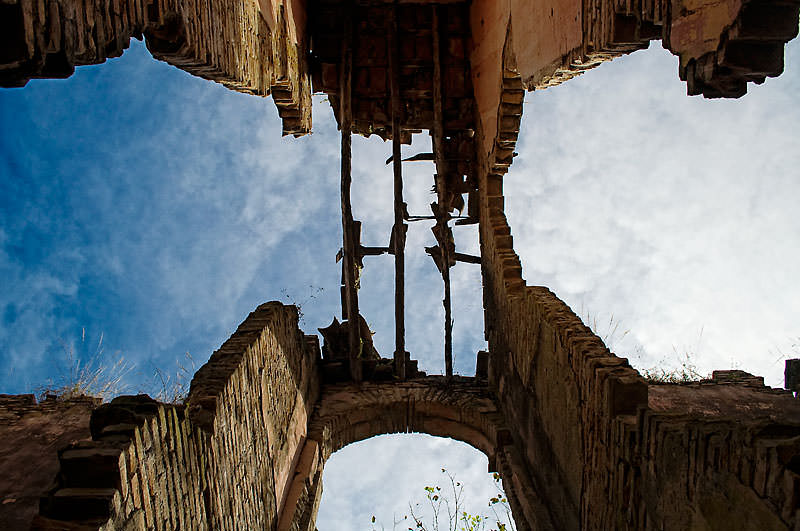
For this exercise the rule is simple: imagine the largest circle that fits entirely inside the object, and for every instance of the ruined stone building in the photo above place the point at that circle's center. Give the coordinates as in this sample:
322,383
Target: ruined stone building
581,440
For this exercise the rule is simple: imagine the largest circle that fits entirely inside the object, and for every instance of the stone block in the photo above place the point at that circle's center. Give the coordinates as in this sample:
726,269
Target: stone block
791,375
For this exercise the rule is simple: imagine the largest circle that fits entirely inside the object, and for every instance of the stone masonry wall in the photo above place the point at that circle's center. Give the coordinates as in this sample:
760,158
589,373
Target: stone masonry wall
721,45
227,41
30,434
256,392
222,462
726,451
462,409
618,452
142,469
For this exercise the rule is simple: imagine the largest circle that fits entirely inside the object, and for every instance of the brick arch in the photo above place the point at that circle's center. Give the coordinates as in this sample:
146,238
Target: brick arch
461,409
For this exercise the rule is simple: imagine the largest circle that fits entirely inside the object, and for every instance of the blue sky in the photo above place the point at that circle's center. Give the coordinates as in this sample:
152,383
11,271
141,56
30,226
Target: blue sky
143,213
159,209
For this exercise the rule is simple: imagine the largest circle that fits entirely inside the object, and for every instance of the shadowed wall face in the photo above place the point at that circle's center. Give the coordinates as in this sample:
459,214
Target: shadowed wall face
613,445
31,434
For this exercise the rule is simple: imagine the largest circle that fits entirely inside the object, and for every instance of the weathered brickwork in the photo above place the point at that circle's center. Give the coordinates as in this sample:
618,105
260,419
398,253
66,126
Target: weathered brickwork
725,450
227,41
141,470
520,45
619,452
257,390
582,442
581,439
31,433
721,45
462,409
225,461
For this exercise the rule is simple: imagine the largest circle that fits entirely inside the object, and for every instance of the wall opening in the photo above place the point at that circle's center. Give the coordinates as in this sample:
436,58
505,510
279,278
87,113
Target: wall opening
372,205
382,475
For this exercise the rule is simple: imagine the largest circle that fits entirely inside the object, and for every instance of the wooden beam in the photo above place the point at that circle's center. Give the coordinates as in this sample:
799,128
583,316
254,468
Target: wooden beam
448,320
423,218
399,228
436,251
443,212
350,310
374,251
467,258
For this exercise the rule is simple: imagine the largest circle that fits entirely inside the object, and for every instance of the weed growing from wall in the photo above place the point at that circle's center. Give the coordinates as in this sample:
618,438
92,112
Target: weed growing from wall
87,370
174,388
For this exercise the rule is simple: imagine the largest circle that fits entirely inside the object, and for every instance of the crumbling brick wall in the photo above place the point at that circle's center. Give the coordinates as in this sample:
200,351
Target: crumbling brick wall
619,453
222,462
725,451
249,448
228,41
582,442
31,433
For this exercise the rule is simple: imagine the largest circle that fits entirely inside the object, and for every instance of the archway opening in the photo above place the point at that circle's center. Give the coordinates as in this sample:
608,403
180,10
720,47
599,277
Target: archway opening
386,476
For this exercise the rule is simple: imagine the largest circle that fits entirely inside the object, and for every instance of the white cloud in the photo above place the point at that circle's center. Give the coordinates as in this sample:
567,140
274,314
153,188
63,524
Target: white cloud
674,214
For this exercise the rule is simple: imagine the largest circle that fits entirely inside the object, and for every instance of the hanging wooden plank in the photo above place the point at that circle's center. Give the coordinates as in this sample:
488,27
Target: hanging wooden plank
350,311
399,228
442,213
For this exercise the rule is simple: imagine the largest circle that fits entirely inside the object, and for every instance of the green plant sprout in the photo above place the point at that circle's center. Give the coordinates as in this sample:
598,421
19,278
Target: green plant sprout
447,511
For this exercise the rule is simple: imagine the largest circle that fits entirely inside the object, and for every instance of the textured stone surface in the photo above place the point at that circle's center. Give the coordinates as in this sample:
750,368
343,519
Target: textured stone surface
227,41
623,454
31,433
581,440
149,466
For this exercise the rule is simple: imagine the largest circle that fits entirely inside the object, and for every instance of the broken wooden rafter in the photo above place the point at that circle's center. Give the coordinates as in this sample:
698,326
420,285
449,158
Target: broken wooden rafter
374,251
436,254
422,157
398,240
441,209
350,299
414,158
423,218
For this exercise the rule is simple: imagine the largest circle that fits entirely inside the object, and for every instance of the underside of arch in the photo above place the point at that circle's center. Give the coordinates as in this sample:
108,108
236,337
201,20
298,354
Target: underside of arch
461,409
